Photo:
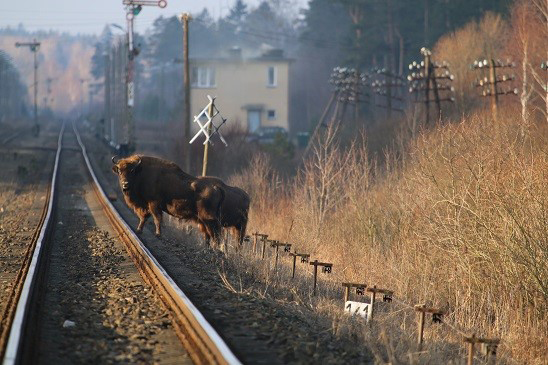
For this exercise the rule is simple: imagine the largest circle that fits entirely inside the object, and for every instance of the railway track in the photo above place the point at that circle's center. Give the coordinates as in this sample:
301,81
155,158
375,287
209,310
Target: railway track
78,298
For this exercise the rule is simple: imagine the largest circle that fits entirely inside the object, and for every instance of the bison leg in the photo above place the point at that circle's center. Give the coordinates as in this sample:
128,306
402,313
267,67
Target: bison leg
212,231
241,232
143,215
203,229
215,231
156,215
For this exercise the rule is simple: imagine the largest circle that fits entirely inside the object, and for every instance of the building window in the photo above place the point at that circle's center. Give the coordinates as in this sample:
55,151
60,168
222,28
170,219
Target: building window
272,76
271,114
203,77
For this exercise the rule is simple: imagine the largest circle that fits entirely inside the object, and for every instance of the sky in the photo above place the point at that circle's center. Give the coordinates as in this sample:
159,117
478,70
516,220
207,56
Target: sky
90,16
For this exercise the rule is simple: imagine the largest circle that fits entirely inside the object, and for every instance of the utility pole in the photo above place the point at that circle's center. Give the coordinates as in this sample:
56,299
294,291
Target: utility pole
426,79
184,18
34,46
348,86
385,88
106,123
133,8
490,84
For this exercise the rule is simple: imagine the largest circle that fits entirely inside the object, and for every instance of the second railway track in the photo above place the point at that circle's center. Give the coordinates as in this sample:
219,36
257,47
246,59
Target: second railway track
85,301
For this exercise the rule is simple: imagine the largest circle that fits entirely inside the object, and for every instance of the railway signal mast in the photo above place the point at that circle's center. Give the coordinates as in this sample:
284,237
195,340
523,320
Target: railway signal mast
34,46
133,8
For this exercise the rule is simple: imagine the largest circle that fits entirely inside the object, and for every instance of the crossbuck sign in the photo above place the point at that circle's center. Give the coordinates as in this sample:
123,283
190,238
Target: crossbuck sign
205,128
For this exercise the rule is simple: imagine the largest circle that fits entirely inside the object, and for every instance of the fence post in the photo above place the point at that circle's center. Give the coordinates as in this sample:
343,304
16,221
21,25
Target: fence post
346,293
471,343
315,263
294,265
373,294
422,314
276,260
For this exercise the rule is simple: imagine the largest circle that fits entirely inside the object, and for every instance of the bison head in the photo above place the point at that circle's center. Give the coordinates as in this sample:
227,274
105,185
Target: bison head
126,169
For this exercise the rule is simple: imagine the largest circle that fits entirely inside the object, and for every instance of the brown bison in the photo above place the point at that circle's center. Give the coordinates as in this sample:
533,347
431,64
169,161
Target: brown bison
152,186
234,208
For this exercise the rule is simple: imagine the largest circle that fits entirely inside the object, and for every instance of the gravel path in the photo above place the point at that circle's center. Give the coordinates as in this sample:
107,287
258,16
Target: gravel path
96,308
25,171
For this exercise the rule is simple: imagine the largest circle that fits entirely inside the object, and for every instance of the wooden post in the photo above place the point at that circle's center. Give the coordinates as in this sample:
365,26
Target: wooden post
186,82
360,289
493,84
436,318
304,258
276,260
490,347
422,314
315,263
206,147
327,267
471,344
258,236
372,305
334,96
427,86
264,248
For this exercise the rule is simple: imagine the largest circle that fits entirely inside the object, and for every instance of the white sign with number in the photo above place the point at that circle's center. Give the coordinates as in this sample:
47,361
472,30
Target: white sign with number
357,308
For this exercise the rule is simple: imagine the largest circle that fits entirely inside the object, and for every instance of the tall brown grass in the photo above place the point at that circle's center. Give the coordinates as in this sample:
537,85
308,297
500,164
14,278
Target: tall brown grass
459,220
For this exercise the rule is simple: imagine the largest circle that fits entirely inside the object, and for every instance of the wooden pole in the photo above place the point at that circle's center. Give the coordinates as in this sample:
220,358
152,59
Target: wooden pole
346,293
186,83
36,127
471,350
264,248
276,260
294,265
106,125
357,96
427,87
493,82
372,305
206,147
422,314
315,276
255,238
320,122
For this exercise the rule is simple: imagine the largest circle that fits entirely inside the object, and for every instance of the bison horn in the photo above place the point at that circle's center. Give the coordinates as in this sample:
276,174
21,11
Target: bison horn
115,159
138,162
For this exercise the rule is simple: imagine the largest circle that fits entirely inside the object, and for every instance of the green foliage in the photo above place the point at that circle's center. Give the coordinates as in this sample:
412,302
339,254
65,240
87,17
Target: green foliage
12,90
281,147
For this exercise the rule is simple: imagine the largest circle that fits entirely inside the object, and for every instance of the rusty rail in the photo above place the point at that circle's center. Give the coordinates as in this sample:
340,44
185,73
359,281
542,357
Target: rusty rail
201,341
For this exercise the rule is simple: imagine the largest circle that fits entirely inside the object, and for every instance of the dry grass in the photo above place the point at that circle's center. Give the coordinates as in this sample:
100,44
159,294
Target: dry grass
461,225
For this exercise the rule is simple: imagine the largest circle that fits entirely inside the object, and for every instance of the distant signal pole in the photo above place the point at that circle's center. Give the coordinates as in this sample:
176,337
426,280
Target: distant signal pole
34,46
133,8
184,18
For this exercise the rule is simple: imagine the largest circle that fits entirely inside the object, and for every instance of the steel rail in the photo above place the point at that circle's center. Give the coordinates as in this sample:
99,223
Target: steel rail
202,342
17,324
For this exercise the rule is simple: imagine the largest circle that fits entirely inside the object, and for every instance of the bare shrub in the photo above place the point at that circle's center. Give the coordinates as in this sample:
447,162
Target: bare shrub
461,225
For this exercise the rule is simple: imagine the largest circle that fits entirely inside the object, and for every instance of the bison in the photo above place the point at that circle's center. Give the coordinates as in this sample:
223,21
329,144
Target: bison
152,185
234,208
